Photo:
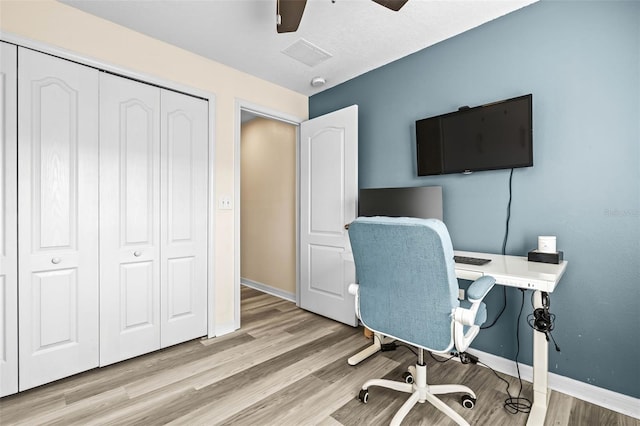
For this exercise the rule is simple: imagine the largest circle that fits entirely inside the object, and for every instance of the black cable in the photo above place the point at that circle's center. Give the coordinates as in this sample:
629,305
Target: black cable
429,352
518,404
525,408
441,360
504,306
408,347
504,251
506,230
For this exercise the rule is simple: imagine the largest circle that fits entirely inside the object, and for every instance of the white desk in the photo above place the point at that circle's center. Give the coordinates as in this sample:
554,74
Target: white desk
512,271
516,271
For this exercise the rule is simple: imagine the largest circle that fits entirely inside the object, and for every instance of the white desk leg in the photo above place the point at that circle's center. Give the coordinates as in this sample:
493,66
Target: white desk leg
540,372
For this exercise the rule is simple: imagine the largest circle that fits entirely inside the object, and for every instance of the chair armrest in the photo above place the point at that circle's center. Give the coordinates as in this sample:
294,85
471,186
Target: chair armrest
479,288
475,293
466,317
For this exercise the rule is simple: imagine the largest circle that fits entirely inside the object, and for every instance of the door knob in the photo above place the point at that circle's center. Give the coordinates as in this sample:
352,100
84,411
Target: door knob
56,260
137,253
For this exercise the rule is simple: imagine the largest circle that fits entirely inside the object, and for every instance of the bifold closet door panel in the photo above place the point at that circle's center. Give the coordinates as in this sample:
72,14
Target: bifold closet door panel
129,218
8,221
184,180
58,218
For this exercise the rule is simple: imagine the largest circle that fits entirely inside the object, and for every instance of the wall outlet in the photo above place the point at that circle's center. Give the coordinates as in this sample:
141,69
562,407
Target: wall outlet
224,203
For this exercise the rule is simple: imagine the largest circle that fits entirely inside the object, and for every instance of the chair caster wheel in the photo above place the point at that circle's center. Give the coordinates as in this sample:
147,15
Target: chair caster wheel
363,396
407,377
468,402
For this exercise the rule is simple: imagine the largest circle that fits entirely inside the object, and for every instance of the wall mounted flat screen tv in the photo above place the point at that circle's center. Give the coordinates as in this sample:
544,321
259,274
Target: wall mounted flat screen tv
494,136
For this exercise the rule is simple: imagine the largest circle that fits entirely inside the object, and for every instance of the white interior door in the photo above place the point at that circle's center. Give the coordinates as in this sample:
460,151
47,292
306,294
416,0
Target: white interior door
8,221
328,197
183,277
129,218
58,218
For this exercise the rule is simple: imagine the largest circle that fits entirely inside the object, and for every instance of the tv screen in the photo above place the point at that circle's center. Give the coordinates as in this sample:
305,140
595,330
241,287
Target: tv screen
494,136
423,202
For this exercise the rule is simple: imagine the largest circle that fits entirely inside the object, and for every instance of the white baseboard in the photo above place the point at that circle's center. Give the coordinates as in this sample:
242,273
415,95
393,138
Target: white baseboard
269,290
617,402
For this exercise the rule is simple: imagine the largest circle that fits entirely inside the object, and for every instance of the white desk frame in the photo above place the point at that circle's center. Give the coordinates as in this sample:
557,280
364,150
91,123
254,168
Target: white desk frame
512,271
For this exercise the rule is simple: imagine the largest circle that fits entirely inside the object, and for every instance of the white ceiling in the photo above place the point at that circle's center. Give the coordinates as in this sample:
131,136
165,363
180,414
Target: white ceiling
359,35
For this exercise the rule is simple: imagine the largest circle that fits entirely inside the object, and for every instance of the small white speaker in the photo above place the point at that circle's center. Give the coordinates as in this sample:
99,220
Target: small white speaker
547,244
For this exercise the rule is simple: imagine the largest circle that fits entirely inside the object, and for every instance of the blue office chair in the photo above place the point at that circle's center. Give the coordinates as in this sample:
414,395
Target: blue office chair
407,290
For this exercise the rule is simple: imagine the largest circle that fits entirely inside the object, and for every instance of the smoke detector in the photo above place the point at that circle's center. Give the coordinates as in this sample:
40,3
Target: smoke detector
318,81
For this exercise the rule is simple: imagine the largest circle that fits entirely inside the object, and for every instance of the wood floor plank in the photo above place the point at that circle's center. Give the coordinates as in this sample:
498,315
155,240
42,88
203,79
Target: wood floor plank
274,325
37,402
211,369
285,366
246,379
309,400
124,373
559,410
261,384
82,410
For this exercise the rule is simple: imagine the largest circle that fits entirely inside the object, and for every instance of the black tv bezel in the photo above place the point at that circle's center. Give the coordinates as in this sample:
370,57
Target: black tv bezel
468,110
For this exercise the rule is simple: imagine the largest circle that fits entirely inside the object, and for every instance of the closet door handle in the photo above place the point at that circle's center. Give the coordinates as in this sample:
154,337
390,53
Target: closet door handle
56,260
137,253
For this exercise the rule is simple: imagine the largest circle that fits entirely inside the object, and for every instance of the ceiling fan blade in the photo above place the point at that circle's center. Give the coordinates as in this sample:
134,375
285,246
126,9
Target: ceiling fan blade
289,15
394,5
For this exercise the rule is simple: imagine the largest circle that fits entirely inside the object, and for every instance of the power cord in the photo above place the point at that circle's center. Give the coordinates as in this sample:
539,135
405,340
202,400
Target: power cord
504,251
392,346
506,230
517,404
408,348
504,305
514,404
441,360
520,407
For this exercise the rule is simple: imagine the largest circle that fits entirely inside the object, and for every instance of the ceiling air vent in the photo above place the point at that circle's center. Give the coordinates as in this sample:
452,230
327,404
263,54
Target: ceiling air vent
307,53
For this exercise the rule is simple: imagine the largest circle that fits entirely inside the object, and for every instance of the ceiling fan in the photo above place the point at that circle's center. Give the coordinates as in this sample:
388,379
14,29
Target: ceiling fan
289,12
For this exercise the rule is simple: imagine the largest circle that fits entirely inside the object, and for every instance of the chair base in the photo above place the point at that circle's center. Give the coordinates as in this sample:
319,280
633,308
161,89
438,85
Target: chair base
420,392
376,346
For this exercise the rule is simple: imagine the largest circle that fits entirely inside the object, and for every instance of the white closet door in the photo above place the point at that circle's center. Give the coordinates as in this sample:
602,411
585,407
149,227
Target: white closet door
8,221
184,218
58,218
129,218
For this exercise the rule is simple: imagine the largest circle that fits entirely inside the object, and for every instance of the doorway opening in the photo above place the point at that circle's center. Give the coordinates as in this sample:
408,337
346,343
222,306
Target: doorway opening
266,203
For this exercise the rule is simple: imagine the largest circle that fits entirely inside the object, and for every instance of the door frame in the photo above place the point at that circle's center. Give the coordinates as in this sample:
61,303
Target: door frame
271,114
210,97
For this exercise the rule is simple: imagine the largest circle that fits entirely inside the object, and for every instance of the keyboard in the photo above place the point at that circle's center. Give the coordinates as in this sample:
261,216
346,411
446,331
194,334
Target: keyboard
471,260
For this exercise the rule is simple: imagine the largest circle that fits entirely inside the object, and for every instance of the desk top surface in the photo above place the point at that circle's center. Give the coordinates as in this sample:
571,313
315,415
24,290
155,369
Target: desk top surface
514,271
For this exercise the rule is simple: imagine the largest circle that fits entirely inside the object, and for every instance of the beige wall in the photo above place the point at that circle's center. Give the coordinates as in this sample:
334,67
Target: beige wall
268,215
61,26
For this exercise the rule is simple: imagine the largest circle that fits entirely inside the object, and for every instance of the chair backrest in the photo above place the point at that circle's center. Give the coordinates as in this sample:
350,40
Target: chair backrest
406,276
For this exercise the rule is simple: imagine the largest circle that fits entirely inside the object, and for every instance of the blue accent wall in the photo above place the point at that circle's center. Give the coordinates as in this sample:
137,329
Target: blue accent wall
581,62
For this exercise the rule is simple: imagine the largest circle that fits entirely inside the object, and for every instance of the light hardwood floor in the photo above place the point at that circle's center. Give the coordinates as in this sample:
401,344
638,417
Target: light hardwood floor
285,366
